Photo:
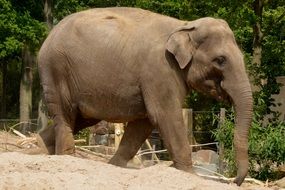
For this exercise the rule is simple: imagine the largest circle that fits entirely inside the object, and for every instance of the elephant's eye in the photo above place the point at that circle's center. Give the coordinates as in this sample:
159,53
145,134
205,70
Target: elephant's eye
221,60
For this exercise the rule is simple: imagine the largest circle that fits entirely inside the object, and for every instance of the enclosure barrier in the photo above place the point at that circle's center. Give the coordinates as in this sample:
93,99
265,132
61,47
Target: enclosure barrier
150,151
188,122
119,130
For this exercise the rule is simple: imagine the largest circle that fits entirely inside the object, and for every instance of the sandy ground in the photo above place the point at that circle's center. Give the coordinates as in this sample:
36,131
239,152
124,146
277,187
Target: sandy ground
22,171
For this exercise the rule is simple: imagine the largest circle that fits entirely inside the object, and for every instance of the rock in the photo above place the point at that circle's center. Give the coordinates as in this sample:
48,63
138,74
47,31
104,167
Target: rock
205,157
100,128
205,161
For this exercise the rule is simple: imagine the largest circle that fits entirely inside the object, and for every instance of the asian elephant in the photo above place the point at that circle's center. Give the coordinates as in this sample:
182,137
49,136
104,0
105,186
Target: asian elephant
136,66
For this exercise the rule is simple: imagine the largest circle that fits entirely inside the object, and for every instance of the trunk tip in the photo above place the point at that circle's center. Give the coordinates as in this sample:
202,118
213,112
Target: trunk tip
238,180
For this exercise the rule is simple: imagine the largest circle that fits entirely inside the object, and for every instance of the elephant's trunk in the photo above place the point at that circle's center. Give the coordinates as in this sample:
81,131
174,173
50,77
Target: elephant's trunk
241,95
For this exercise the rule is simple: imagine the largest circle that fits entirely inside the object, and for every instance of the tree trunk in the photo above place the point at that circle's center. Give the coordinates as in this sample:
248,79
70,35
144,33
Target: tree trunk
48,13
4,87
26,89
42,109
258,36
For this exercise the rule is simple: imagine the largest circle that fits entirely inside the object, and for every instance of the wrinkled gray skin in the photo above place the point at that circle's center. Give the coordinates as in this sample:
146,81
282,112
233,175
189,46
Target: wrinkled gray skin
135,66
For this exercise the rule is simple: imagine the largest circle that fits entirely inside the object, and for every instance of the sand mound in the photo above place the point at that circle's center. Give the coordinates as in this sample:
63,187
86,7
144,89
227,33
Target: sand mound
21,171
28,172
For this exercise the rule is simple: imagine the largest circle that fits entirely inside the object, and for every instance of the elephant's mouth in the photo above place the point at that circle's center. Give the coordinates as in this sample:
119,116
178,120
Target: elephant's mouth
214,88
221,96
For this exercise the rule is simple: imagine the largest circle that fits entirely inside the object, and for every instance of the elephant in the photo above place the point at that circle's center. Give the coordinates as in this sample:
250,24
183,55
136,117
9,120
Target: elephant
132,65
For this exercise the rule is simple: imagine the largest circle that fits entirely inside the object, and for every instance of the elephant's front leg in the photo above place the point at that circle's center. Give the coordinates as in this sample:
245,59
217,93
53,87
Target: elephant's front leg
174,135
136,132
165,112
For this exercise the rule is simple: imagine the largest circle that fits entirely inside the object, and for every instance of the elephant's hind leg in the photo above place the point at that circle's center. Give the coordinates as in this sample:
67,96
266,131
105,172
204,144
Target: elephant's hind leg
59,94
57,139
64,141
135,134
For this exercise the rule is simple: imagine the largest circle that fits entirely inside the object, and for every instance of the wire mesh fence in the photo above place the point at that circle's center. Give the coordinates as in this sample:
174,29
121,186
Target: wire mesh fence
204,122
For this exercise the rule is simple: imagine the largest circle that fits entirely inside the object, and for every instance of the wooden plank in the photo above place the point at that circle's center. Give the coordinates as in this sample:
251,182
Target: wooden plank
188,122
221,144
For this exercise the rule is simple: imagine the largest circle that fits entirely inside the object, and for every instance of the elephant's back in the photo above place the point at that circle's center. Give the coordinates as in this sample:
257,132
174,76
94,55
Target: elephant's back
101,23
125,14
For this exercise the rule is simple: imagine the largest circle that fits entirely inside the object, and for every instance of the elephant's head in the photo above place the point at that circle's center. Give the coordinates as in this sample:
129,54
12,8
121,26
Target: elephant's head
208,55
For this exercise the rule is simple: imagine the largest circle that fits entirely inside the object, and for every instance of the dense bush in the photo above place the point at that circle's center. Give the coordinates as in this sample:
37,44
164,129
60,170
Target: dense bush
266,147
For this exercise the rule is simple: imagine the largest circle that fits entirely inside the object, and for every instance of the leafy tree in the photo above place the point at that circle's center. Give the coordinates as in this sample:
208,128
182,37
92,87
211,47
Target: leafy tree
21,35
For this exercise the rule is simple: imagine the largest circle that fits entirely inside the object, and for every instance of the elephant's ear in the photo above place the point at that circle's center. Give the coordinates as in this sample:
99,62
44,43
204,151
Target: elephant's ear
181,46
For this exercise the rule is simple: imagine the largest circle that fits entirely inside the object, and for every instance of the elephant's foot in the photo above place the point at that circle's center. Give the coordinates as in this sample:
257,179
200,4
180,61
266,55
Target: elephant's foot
238,180
64,141
184,167
45,146
67,147
118,161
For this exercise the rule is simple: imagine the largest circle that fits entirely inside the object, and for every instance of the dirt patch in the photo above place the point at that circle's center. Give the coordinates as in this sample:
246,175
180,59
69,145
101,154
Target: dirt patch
22,171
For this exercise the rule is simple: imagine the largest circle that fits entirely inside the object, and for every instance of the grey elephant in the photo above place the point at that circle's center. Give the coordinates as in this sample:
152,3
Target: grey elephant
132,65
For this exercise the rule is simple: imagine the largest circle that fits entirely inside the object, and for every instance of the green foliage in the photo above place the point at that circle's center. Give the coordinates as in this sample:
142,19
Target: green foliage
9,30
266,151
175,8
83,134
266,147
20,24
273,61
63,8
17,28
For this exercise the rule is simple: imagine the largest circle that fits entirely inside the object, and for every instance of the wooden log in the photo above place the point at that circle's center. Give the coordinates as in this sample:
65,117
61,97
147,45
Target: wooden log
94,153
80,141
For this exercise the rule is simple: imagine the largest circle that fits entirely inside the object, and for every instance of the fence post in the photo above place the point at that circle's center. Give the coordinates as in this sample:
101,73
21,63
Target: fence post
188,122
221,144
119,130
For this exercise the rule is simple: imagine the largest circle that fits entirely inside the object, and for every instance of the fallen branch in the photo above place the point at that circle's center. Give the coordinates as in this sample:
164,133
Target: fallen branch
92,146
79,141
11,144
150,147
251,180
94,153
19,133
27,141
220,177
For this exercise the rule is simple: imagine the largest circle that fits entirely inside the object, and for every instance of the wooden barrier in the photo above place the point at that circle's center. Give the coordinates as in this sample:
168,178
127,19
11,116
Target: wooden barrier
188,123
